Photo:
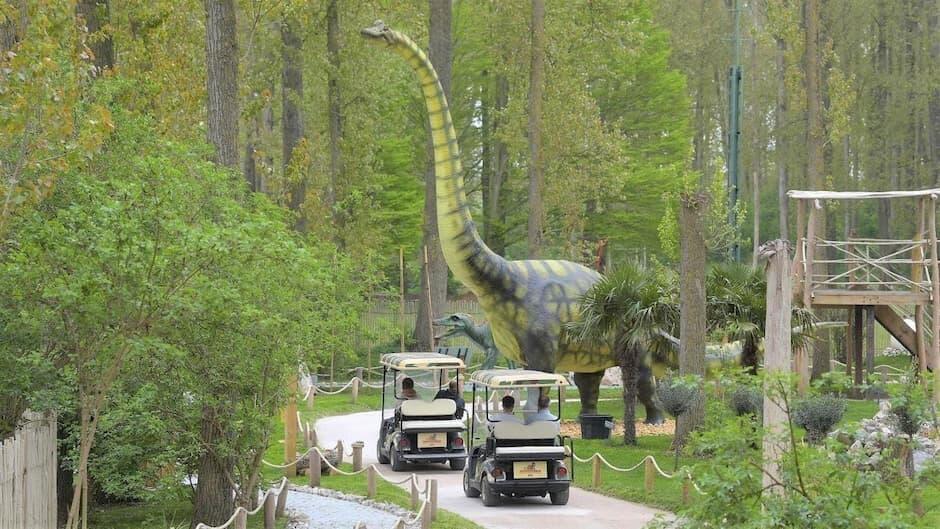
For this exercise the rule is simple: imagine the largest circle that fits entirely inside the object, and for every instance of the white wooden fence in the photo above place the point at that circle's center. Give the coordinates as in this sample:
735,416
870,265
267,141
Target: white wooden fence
28,475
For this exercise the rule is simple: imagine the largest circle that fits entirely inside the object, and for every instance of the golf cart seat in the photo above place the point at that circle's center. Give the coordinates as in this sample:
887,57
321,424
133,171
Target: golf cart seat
527,441
435,415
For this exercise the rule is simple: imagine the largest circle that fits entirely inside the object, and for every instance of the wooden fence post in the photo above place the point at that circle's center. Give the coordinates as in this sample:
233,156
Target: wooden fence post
311,396
686,489
426,517
355,385
370,482
241,518
649,475
357,455
597,471
281,503
433,505
314,470
414,496
313,435
339,452
777,351
270,506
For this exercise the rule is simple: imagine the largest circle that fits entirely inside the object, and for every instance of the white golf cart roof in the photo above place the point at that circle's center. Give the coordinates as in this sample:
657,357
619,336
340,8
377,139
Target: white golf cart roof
421,361
517,378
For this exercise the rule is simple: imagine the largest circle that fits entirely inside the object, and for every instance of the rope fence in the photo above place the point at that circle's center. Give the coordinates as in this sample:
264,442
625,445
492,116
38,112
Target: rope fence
650,468
423,499
272,502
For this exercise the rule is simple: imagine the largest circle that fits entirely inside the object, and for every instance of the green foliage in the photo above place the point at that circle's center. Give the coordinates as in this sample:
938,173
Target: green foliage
818,486
818,415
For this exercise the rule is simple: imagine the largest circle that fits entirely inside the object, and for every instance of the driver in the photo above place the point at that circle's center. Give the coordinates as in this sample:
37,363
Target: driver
407,390
506,415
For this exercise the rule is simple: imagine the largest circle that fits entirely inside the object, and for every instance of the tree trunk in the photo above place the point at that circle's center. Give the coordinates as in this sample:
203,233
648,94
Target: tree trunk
495,212
96,14
536,176
222,80
629,377
336,112
780,140
692,210
292,120
434,273
215,499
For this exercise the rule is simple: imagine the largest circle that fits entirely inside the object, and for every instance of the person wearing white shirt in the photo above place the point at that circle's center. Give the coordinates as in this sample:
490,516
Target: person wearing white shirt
506,415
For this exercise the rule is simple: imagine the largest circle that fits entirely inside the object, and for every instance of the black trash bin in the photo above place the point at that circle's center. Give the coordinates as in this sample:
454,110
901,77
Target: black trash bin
596,426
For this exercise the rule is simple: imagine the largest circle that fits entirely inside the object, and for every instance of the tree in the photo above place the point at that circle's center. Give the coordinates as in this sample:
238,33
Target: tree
336,108
536,176
692,304
222,80
292,124
96,15
628,310
433,299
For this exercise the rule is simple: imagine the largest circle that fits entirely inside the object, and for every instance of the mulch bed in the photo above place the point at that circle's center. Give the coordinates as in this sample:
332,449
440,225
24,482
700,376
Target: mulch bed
573,428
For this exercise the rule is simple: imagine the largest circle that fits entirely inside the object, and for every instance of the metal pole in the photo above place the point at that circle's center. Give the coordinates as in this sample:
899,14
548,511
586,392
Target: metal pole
401,297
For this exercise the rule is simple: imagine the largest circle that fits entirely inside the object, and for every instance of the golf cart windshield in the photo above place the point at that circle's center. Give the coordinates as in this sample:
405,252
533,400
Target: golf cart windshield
417,376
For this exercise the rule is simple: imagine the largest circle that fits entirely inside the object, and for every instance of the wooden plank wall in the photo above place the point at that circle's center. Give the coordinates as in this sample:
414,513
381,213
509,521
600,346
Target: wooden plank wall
28,475
380,325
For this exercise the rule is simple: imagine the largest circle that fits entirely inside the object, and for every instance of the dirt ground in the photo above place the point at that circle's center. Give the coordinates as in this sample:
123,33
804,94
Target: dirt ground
573,428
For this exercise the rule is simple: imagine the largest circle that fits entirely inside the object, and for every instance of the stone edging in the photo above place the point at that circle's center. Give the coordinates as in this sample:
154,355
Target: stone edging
300,520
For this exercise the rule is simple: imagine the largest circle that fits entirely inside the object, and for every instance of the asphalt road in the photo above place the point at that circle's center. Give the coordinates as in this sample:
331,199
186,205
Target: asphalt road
585,510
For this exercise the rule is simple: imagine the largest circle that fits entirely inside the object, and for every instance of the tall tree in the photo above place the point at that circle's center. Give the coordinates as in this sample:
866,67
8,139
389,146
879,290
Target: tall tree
292,120
536,88
215,491
96,15
434,271
692,210
780,117
336,107
222,80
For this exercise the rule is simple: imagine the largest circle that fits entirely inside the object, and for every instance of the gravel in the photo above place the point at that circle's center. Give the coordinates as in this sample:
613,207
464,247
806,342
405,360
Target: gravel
330,509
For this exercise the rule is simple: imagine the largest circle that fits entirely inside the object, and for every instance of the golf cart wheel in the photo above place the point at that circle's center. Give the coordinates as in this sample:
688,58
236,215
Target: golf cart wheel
397,464
458,463
490,496
559,498
468,489
383,459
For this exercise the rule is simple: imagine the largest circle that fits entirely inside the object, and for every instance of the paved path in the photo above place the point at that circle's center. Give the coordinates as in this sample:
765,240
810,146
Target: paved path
585,510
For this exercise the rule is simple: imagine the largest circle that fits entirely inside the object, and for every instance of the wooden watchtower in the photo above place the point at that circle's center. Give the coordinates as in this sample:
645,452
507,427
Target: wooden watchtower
883,278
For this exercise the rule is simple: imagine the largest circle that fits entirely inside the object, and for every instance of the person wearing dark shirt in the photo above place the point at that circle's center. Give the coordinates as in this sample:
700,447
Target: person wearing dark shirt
452,392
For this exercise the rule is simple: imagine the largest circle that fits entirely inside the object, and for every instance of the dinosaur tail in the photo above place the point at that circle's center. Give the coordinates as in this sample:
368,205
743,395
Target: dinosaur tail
468,257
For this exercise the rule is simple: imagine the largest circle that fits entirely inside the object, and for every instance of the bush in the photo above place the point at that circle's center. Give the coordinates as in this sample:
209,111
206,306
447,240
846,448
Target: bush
677,395
747,401
818,416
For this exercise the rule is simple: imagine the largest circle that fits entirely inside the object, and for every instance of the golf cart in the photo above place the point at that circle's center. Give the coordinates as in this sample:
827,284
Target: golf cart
421,428
510,458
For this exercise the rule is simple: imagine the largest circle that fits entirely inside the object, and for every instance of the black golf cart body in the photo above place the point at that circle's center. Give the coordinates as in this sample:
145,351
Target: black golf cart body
512,459
421,431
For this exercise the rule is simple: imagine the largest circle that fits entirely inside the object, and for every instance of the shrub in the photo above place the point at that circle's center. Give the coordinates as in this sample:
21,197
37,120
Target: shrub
677,395
747,401
818,415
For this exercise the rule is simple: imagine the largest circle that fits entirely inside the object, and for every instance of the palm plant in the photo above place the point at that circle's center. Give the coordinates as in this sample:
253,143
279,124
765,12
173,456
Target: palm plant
737,309
628,310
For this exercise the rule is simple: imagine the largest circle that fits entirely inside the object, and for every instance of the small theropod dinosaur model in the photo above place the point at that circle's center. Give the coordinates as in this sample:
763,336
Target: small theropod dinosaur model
462,324
527,303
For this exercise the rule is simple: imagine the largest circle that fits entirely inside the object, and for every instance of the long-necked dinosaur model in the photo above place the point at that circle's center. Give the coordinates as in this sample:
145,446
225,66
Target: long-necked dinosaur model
481,335
526,302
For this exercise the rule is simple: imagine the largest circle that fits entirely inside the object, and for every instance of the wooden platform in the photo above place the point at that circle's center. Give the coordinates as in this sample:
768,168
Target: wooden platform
849,298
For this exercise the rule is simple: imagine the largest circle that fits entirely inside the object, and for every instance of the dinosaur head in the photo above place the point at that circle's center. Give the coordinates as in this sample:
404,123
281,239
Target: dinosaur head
455,325
379,33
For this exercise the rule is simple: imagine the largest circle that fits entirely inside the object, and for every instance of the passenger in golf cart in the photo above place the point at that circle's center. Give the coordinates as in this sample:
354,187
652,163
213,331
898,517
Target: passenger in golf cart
507,456
417,428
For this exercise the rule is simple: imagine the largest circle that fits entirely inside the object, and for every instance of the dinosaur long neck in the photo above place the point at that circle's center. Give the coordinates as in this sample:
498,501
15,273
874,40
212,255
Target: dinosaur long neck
468,257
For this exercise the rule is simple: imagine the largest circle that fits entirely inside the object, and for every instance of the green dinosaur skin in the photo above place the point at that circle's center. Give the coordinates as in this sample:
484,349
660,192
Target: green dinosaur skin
462,324
527,303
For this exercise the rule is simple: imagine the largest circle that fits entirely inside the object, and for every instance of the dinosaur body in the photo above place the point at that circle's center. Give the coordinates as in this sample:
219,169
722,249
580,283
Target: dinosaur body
526,302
